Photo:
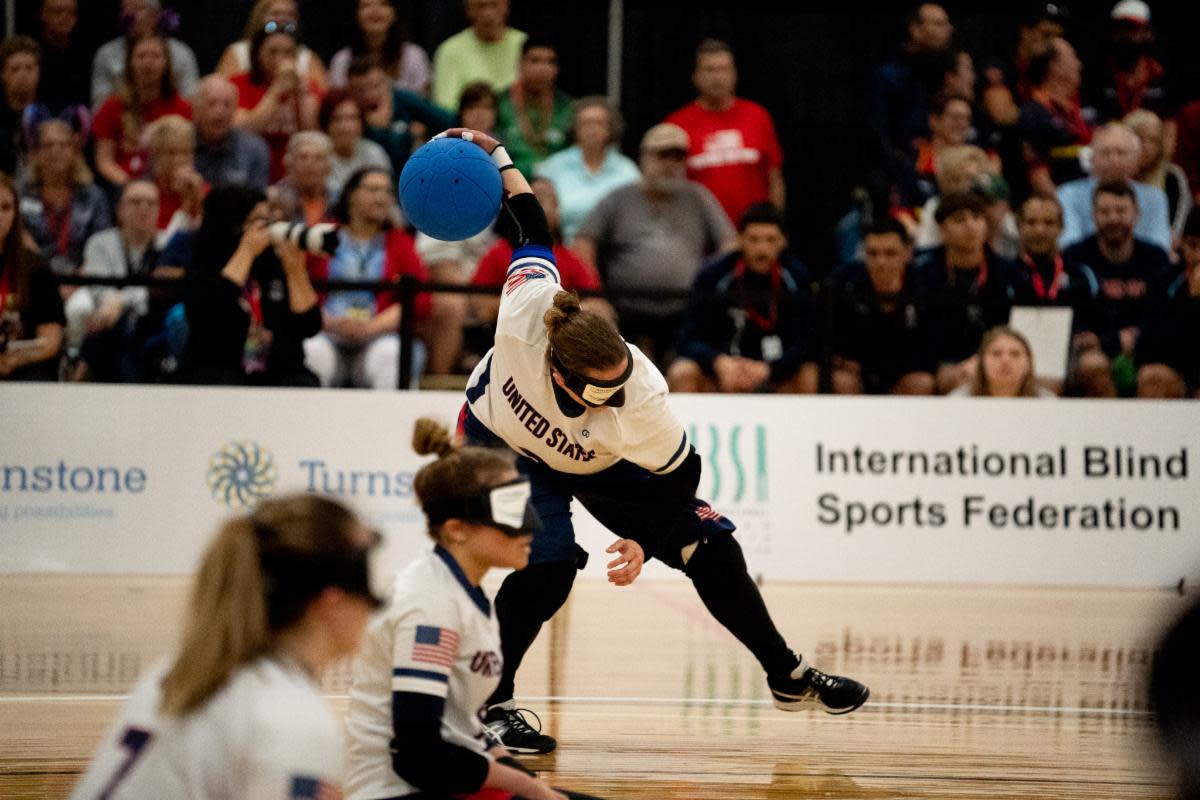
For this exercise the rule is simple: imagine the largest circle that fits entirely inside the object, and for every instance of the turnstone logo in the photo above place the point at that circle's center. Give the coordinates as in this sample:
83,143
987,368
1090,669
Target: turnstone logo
241,473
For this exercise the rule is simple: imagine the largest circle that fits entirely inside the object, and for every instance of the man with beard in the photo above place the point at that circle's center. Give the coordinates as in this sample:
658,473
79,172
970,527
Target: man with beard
1126,267
1116,151
654,234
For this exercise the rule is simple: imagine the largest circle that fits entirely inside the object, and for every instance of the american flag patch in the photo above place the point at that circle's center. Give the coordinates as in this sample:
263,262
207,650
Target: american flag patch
521,277
435,646
705,512
305,788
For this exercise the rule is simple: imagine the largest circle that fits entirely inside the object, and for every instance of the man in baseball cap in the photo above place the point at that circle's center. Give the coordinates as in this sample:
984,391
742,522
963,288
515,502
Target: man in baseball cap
654,234
1131,78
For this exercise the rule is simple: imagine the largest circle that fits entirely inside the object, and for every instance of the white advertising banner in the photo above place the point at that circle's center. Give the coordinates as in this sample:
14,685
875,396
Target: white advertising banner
107,479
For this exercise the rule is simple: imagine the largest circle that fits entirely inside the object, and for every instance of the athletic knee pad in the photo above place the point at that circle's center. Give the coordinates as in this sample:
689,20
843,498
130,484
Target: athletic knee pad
719,554
539,590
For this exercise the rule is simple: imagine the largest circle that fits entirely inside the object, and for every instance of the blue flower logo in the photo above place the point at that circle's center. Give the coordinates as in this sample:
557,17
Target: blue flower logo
241,473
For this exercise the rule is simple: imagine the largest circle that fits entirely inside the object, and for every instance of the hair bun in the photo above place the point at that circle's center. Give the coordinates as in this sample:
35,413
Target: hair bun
431,436
566,305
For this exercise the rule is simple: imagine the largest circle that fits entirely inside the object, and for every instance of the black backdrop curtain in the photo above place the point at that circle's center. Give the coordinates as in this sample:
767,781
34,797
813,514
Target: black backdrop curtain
809,63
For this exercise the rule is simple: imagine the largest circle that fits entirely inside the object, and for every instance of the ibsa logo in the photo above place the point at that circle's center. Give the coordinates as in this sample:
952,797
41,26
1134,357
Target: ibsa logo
241,474
735,462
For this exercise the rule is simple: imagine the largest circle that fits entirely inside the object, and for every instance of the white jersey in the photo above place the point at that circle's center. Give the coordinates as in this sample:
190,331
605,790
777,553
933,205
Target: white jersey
266,734
512,393
438,636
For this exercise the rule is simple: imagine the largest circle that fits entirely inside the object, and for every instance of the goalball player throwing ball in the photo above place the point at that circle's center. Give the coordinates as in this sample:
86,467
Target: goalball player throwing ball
587,414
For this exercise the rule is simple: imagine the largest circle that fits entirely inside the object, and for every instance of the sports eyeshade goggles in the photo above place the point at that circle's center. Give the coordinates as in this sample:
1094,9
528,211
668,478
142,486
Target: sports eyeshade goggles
505,507
595,392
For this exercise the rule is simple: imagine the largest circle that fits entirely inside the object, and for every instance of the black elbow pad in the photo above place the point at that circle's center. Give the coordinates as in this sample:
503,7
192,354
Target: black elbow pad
522,221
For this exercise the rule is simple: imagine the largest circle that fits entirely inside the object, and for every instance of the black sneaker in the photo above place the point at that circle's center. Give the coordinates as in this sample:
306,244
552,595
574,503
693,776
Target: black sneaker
806,687
508,723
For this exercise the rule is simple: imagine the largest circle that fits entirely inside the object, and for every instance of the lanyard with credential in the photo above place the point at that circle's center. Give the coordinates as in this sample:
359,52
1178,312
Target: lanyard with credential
1039,286
764,323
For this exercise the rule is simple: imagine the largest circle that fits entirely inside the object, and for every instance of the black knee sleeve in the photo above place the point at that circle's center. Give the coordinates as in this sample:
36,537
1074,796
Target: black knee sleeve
527,598
717,568
713,557
537,591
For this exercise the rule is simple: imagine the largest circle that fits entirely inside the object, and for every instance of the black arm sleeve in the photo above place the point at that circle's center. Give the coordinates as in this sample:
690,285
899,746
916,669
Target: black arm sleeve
522,222
420,755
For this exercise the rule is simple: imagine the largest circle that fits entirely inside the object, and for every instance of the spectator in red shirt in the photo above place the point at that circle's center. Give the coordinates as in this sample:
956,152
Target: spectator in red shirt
359,344
576,275
273,100
734,151
147,93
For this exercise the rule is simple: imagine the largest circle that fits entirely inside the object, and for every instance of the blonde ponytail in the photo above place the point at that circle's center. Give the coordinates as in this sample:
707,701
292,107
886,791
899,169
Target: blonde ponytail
233,617
227,620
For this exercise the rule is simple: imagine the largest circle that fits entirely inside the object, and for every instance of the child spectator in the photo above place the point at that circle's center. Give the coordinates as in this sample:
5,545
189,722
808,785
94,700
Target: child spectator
1003,368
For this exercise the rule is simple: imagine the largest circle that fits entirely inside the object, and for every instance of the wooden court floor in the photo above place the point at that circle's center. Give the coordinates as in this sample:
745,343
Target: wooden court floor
976,692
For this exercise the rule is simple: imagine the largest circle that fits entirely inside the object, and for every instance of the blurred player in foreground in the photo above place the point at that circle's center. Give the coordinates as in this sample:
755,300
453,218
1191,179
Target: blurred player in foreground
281,594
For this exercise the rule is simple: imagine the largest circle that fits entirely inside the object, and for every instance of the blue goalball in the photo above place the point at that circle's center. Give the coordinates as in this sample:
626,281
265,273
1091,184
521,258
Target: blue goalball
450,189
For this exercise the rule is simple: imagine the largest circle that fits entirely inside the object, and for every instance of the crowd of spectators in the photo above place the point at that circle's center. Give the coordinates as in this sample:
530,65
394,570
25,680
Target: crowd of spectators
1042,181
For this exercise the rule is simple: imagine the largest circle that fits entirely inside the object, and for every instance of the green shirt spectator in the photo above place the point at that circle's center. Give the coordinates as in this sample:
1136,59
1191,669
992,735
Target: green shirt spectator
487,51
534,115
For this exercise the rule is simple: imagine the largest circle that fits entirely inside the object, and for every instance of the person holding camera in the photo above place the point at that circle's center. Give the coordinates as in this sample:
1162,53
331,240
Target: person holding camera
252,305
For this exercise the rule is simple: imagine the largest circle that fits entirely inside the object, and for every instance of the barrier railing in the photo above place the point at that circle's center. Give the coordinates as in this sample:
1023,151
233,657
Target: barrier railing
406,290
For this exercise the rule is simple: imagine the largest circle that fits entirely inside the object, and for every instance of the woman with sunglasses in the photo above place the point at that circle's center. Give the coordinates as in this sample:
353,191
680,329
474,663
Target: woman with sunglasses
432,657
236,58
274,99
281,594
588,413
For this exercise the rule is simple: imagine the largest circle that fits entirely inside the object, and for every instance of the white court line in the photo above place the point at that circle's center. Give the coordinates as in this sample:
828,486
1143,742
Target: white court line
665,701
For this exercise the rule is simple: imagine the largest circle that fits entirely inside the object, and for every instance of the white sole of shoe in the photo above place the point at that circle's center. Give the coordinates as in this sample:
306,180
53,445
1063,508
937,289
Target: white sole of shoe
810,703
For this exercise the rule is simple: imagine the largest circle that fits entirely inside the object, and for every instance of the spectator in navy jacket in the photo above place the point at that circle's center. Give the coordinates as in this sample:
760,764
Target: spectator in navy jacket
746,327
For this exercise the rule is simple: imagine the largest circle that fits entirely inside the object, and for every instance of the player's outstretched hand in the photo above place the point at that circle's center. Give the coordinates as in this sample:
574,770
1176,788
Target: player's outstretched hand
488,143
624,569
